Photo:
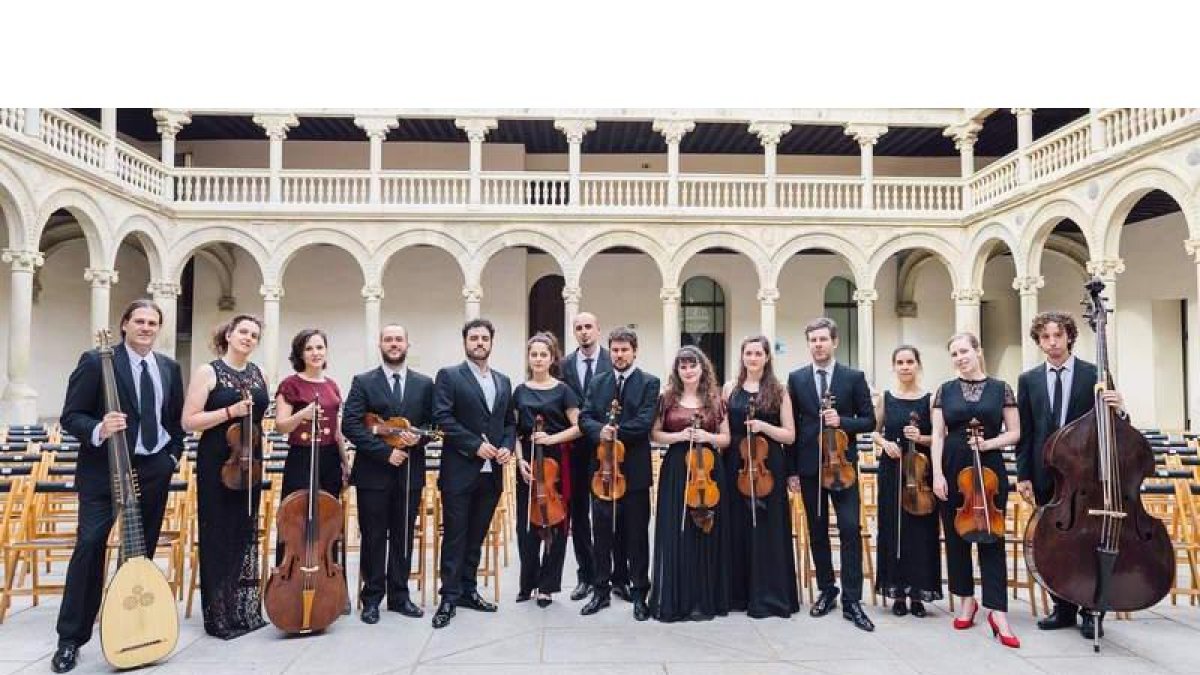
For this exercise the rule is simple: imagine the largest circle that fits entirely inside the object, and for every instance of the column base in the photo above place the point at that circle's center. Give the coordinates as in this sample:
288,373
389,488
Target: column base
18,405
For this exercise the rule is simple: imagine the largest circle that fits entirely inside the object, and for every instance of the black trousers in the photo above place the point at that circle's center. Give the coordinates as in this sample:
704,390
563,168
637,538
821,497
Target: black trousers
581,523
386,549
961,573
628,548
541,562
1041,498
84,588
466,517
847,506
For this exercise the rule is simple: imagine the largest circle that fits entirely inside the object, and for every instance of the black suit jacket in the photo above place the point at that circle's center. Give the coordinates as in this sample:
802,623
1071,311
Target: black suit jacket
568,368
852,400
460,409
83,408
371,392
639,401
1033,402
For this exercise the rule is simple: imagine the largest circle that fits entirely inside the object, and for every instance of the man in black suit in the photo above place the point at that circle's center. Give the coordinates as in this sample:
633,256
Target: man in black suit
473,405
578,369
637,393
388,480
150,388
1051,396
853,413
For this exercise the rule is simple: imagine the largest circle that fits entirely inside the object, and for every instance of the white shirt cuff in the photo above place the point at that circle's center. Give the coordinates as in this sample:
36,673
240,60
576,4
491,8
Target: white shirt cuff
96,435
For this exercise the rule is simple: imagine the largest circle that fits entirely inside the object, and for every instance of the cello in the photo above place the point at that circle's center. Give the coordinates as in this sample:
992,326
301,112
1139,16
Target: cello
307,591
978,520
700,492
1094,544
754,478
546,508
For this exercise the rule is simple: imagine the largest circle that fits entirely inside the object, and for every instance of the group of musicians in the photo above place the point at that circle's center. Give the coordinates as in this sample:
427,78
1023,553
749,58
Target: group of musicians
710,557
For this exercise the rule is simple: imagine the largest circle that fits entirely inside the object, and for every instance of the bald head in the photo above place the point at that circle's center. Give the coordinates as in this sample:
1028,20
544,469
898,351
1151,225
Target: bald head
587,330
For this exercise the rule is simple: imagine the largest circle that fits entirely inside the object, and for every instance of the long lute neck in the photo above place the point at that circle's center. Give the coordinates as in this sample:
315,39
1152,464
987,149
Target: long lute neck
124,489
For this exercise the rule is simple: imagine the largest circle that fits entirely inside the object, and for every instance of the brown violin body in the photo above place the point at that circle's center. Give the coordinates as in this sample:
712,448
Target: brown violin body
390,429
916,495
546,507
837,473
978,520
608,483
701,492
754,478
244,467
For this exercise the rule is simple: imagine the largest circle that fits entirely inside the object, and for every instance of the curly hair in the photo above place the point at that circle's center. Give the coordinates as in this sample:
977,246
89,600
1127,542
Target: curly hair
708,389
1064,321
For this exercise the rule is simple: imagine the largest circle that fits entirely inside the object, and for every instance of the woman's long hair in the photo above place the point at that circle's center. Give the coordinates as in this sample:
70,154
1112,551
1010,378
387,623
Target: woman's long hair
708,389
770,390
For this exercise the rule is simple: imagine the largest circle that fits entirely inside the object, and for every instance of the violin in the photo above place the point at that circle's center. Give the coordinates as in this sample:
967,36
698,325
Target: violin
390,429
978,520
546,508
1094,544
608,483
754,478
306,592
916,496
244,467
700,493
837,473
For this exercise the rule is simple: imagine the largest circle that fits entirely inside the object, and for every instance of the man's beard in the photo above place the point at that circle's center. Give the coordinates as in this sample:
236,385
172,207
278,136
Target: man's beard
394,362
471,355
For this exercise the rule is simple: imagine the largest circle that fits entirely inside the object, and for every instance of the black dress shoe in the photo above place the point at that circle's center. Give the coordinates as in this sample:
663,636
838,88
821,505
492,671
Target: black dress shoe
825,603
524,596
1087,625
445,612
641,611
622,592
544,601
1059,618
917,609
853,612
476,602
581,591
598,602
65,658
407,608
899,608
370,614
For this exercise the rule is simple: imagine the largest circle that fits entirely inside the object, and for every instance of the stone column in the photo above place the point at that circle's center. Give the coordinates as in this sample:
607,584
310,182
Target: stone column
33,122
164,293
670,330
767,297
276,126
372,307
867,135
571,295
1024,140
866,297
673,131
1192,246
476,129
108,125
1028,287
574,130
377,128
906,313
269,338
473,297
964,136
170,123
966,309
1097,141
101,281
19,402
769,134
1108,269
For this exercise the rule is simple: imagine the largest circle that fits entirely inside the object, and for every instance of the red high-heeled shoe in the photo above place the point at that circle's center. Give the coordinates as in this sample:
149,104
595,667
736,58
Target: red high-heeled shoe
963,624
1006,640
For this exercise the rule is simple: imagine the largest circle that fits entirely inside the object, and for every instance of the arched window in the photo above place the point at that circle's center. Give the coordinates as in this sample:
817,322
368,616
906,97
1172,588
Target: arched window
841,307
702,320
547,311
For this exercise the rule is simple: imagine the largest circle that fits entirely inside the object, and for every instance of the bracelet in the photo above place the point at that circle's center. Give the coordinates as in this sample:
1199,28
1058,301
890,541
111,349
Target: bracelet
227,415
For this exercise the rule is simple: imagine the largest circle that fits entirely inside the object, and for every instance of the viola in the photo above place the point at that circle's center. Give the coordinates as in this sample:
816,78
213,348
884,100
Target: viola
306,592
978,520
837,473
754,478
700,493
546,508
1094,544
917,496
244,467
608,483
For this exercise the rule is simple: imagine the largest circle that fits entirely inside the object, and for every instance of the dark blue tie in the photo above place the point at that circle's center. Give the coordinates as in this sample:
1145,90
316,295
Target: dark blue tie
1056,399
146,411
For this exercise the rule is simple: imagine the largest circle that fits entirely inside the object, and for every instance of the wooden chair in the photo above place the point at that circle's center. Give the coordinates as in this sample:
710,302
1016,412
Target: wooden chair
868,519
33,542
1186,540
806,574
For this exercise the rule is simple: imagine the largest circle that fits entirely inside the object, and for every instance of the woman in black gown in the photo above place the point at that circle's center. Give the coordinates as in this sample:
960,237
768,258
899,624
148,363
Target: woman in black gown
690,567
973,395
908,563
543,394
762,572
229,562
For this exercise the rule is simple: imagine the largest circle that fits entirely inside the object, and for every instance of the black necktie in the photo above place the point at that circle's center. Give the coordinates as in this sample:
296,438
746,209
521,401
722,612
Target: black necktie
149,419
621,387
824,383
587,375
397,392
1056,397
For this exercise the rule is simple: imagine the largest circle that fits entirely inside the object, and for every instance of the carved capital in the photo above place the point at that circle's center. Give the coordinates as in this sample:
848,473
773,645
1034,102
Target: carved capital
100,278
170,121
226,303
473,294
575,129
769,133
673,130
1192,246
271,292
23,260
476,128
1028,285
572,294
276,124
964,134
866,134
768,296
1107,269
906,310
372,292
670,294
865,296
966,296
376,126
166,290
1021,112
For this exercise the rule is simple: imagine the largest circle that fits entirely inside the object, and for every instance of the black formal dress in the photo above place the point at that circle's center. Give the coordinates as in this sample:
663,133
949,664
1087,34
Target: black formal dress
912,568
542,570
691,579
762,570
961,401
229,548
581,456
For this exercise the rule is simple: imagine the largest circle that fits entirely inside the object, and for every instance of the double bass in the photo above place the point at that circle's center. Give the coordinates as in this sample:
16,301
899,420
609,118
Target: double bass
754,480
700,492
306,592
546,508
1094,544
978,520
